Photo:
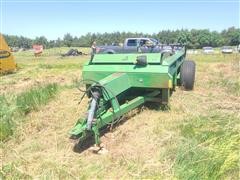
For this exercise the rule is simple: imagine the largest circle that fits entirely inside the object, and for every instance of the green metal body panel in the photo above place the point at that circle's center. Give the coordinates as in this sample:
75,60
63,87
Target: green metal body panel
125,85
124,58
149,77
116,86
154,75
152,58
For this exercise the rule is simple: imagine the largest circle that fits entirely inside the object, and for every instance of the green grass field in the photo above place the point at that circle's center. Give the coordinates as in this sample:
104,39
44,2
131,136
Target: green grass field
196,138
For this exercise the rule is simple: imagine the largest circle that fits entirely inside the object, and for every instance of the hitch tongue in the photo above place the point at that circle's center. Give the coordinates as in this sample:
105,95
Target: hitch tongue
92,109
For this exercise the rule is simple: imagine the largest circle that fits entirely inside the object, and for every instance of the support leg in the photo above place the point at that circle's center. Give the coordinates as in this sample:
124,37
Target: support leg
165,96
96,135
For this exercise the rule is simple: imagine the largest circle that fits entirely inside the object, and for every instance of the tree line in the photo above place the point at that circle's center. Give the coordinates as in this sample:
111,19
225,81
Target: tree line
193,38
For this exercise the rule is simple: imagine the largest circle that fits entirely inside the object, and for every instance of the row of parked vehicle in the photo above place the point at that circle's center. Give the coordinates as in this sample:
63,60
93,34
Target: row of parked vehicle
224,50
145,45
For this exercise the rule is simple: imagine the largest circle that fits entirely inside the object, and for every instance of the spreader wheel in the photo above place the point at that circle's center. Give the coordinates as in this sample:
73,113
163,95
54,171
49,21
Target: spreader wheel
187,74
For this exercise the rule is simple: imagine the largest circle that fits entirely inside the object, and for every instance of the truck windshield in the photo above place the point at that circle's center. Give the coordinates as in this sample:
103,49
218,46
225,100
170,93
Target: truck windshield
154,41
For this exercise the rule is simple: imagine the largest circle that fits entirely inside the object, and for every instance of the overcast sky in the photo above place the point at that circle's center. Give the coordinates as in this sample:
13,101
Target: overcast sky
53,19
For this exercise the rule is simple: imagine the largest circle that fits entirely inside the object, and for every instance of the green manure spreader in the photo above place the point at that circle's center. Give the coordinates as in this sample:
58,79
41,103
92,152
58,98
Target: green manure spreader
119,83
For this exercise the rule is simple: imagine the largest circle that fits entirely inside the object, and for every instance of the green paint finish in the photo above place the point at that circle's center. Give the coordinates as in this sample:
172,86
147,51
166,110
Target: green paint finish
124,86
152,58
114,84
172,59
108,117
151,76
79,127
125,58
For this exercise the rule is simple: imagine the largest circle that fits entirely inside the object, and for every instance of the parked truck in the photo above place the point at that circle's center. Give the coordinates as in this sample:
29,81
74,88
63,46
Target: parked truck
133,45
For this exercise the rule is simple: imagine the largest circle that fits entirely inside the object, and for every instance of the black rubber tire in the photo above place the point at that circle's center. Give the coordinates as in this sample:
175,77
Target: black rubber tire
110,52
187,75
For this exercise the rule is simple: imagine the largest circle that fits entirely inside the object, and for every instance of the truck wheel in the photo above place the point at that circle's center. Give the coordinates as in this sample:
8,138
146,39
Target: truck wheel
187,74
109,51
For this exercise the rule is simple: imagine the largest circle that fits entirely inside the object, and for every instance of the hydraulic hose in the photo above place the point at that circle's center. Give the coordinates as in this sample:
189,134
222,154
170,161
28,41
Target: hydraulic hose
92,109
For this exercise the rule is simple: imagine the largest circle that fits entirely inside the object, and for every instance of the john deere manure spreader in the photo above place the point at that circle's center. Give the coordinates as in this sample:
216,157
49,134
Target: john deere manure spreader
118,83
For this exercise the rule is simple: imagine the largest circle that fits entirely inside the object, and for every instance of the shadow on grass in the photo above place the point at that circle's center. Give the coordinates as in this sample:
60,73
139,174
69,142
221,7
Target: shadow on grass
81,146
157,106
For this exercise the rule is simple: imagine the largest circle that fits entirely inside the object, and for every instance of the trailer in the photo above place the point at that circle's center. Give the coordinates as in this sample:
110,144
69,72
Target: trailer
119,83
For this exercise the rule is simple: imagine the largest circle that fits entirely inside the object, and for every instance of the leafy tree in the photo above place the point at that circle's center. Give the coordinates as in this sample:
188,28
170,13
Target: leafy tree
58,43
194,38
67,40
232,36
42,40
76,42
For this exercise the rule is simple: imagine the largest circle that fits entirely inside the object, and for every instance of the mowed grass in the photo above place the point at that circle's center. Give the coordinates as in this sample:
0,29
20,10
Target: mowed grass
34,83
209,149
196,138
13,111
48,68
